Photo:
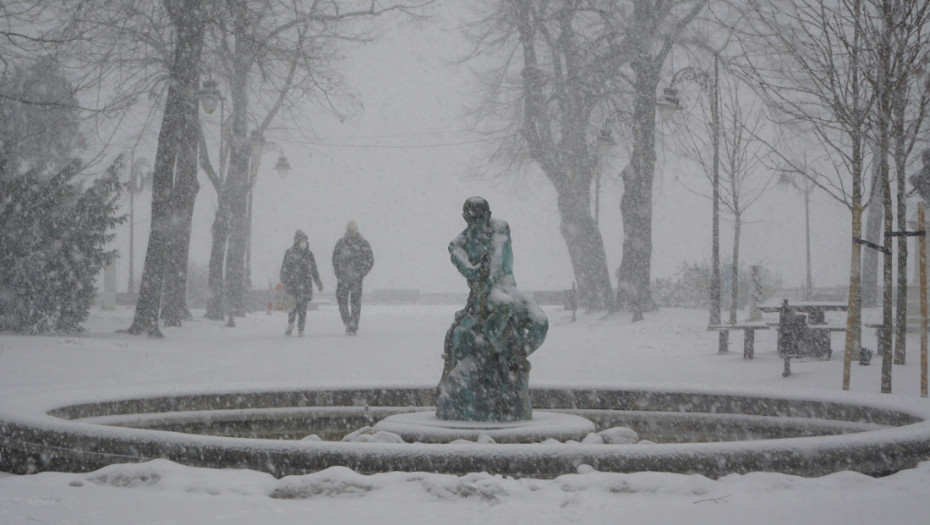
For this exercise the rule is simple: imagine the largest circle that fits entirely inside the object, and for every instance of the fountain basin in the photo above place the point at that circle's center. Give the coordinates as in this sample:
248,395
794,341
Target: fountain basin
706,432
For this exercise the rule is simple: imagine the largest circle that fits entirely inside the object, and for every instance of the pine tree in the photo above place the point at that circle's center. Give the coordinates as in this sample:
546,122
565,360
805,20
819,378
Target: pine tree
54,236
53,232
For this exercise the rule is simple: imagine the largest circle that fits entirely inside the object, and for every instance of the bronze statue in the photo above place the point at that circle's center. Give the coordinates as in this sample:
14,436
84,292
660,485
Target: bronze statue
486,372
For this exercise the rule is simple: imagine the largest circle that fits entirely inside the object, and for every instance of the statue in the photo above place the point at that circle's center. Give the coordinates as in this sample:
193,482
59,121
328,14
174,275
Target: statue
486,372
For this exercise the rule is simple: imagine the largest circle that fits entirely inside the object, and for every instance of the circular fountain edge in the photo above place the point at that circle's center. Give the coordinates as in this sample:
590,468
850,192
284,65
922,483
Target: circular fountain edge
61,441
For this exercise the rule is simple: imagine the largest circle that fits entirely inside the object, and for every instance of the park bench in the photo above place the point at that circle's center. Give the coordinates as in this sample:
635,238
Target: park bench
749,335
879,328
802,331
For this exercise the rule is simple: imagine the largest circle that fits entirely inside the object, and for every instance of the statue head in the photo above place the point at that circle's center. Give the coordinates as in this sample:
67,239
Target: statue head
476,210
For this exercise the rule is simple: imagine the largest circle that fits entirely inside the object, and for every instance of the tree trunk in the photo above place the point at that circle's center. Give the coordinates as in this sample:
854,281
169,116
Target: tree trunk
585,247
856,131
887,266
900,323
734,286
900,161
883,123
238,182
238,223
184,196
633,276
853,342
175,307
220,230
180,107
566,161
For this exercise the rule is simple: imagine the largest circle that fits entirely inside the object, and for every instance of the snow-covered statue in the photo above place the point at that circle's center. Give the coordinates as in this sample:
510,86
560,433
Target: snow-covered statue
486,373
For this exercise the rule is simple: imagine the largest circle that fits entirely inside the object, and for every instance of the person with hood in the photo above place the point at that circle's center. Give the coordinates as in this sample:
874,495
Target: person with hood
352,260
298,273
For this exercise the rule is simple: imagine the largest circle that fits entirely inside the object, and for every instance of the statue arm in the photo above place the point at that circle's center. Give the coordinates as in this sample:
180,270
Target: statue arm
460,259
501,261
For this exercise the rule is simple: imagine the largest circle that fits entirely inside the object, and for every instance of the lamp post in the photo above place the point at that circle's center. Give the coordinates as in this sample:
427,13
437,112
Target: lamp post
669,103
209,97
805,188
605,142
258,144
140,174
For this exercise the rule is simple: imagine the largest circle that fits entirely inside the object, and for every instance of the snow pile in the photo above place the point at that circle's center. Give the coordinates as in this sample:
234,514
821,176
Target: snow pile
340,482
164,475
370,435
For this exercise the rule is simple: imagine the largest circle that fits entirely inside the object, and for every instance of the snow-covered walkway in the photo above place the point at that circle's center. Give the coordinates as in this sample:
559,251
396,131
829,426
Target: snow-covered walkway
401,346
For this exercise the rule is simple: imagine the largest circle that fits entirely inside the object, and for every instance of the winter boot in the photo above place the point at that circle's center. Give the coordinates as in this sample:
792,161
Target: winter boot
290,329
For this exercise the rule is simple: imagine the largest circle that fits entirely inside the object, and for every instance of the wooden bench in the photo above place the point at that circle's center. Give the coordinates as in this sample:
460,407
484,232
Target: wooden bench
879,328
749,335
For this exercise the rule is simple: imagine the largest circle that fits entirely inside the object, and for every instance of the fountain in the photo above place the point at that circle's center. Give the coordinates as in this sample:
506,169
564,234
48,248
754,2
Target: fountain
713,433
483,417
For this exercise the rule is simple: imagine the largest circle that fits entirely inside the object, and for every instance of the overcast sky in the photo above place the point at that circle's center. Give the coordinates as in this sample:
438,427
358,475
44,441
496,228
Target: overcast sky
404,166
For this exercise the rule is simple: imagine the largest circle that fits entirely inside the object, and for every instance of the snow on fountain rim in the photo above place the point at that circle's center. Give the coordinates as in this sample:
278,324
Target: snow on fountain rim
912,438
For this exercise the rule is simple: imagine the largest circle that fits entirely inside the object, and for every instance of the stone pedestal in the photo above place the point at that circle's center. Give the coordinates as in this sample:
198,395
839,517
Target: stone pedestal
425,427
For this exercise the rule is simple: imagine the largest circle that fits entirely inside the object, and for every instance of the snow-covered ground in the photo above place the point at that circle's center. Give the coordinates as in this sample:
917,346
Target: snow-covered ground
401,345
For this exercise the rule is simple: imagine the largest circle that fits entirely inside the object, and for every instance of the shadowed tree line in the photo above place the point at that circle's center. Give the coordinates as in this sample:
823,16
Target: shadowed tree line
273,57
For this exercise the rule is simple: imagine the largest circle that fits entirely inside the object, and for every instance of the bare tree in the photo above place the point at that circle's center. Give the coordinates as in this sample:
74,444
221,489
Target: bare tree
552,72
847,75
806,59
894,34
651,28
902,40
271,55
113,54
742,155
116,54
564,68
174,183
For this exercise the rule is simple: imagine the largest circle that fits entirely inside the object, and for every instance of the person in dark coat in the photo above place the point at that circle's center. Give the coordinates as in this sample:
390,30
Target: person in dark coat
352,260
298,273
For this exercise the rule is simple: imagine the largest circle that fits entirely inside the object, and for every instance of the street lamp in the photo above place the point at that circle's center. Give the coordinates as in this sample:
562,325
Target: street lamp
605,142
258,144
282,167
209,97
140,175
805,188
669,103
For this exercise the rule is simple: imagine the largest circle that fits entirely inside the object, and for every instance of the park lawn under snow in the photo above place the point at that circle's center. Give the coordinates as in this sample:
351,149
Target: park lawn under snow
401,346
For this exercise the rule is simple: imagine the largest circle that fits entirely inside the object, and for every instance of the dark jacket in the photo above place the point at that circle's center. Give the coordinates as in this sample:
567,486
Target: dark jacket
352,258
298,270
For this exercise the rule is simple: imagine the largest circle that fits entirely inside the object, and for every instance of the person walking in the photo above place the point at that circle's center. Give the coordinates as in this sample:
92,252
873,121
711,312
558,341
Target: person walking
298,273
352,260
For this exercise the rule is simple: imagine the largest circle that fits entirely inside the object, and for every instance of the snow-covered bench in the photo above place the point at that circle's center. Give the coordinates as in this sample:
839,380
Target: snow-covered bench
749,335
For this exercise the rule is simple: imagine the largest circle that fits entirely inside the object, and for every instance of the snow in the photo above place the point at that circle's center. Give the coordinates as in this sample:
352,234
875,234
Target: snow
402,346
